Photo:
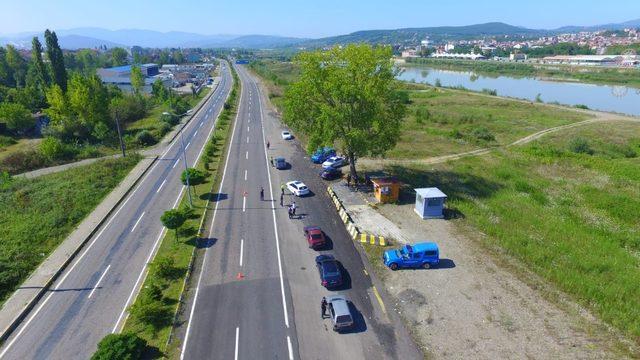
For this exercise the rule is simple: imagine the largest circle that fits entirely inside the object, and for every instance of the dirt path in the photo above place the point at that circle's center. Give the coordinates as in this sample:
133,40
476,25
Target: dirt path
597,117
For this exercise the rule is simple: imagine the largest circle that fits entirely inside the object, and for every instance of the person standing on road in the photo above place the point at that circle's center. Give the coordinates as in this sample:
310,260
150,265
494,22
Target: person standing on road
282,188
323,307
281,199
268,145
261,193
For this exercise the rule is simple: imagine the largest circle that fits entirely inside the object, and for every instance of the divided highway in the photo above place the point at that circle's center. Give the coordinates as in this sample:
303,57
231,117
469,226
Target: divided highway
90,298
256,293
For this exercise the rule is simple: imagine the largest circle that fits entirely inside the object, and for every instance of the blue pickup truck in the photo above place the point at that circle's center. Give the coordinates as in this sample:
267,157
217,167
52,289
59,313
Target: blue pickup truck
322,154
422,255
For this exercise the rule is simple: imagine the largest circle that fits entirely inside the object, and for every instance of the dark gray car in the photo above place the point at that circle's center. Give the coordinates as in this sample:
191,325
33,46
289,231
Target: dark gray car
280,163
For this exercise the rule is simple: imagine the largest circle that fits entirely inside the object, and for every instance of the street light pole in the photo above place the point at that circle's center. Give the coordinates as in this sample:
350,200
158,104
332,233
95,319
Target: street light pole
186,168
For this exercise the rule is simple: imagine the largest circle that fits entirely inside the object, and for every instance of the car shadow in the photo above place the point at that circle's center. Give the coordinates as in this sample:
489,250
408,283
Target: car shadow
445,264
328,244
214,197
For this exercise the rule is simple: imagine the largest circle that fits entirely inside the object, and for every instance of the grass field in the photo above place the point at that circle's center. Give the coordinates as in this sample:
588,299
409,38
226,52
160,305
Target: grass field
154,320
568,212
37,214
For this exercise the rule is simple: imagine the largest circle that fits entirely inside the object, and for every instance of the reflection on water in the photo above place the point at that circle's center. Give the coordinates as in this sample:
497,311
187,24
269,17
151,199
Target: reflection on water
620,99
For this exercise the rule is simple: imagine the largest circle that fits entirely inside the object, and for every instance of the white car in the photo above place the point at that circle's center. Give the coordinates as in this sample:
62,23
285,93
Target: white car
286,135
297,188
334,162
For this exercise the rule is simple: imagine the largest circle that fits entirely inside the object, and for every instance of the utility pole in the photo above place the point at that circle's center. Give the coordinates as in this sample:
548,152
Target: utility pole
119,134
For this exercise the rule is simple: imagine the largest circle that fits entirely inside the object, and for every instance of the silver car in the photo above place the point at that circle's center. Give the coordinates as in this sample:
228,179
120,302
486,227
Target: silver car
339,312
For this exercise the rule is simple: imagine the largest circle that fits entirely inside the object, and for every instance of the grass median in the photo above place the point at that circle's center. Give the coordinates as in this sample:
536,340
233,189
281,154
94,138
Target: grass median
152,314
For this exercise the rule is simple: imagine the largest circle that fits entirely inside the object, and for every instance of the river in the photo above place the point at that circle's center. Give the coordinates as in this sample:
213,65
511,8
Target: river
621,99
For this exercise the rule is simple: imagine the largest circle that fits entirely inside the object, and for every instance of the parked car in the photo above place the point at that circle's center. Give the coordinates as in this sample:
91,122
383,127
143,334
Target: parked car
314,236
322,154
286,135
297,188
329,271
334,162
339,312
331,173
280,163
421,255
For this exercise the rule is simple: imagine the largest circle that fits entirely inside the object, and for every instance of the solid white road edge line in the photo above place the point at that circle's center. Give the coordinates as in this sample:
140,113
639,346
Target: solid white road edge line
98,283
215,211
273,212
137,222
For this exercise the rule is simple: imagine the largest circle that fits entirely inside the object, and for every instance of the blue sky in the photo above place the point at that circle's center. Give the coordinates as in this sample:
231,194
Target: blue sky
303,18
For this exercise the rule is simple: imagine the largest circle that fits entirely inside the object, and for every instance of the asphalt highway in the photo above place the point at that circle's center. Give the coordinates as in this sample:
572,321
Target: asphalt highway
89,300
256,293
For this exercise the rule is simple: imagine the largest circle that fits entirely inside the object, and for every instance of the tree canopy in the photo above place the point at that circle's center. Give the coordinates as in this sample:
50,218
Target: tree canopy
173,219
347,96
56,59
119,56
137,79
120,347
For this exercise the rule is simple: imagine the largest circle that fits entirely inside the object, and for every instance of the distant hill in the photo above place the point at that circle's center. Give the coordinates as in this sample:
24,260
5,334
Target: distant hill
413,35
71,42
618,26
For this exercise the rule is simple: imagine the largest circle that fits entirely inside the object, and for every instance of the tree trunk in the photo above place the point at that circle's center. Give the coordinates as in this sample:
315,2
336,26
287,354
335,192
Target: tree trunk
352,167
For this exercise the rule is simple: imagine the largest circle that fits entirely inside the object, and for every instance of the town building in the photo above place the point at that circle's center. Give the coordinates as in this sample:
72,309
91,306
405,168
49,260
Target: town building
121,76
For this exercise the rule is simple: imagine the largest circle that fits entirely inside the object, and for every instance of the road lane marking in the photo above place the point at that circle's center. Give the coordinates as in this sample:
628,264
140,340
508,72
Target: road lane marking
247,139
247,129
98,283
375,292
275,223
161,185
213,219
137,222
201,123
241,249
237,338
176,163
194,134
246,156
290,348
245,175
244,203
186,147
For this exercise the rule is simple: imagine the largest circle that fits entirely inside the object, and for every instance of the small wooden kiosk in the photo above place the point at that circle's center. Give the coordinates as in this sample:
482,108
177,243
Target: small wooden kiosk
386,189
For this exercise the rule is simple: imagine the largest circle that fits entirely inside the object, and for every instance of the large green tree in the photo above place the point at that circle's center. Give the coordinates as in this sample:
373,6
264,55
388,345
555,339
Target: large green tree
6,77
56,59
119,56
347,96
137,79
40,69
18,66
173,219
17,118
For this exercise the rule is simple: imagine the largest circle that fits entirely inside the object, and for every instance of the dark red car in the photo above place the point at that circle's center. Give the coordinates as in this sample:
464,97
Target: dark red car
314,236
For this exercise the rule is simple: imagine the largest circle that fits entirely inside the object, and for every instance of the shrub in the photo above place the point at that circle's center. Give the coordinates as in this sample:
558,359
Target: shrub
580,145
581,106
17,117
163,129
492,92
151,312
120,347
22,161
483,134
145,138
53,149
422,114
164,267
438,83
456,134
170,119
6,141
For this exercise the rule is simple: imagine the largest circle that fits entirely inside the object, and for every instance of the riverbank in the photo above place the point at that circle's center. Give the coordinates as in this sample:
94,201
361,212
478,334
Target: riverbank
591,74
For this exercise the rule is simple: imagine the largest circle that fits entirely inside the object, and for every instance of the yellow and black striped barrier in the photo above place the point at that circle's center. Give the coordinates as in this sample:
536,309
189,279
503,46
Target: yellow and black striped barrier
352,229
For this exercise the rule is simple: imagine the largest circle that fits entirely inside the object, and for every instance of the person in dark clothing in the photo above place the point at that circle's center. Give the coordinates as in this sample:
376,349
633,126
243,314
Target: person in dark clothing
281,199
268,145
261,193
348,180
290,212
323,306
